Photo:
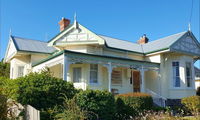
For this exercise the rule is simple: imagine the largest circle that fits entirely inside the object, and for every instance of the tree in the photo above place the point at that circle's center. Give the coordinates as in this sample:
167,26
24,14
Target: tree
4,69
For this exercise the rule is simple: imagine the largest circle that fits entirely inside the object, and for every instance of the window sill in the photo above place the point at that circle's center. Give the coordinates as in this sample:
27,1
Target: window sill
94,84
181,88
117,85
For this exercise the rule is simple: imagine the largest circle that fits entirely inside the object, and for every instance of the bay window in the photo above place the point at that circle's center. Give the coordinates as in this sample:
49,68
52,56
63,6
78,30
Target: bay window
176,74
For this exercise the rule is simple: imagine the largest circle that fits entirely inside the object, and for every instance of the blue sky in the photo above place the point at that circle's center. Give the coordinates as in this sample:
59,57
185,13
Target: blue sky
123,19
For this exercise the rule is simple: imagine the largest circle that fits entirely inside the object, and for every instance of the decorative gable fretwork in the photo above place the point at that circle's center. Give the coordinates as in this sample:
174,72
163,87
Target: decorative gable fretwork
187,45
77,36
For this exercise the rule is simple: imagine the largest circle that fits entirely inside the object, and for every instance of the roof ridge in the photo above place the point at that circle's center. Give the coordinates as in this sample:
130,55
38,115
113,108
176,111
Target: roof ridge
138,44
117,39
168,36
28,39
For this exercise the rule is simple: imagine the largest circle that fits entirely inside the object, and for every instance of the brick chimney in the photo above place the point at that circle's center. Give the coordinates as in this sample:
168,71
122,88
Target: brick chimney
64,23
143,39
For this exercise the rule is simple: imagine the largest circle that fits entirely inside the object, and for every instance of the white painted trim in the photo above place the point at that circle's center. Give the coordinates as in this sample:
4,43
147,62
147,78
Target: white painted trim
100,40
7,58
172,77
158,52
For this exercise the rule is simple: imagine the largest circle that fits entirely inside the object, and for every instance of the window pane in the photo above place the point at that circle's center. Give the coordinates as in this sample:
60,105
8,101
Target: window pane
77,74
176,74
177,71
20,71
188,74
93,73
177,84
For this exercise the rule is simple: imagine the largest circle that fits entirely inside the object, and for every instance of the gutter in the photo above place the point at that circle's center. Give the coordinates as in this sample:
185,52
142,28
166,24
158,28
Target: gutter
94,55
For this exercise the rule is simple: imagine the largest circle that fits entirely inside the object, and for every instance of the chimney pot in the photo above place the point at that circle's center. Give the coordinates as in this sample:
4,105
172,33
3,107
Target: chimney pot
63,23
143,39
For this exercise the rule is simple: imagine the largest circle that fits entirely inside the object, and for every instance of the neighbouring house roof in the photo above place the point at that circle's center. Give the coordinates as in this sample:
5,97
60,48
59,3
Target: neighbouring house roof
197,72
154,46
29,45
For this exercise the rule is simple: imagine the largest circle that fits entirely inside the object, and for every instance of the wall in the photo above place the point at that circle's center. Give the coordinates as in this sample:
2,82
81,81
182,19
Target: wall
19,61
77,48
24,60
154,58
56,71
152,81
38,57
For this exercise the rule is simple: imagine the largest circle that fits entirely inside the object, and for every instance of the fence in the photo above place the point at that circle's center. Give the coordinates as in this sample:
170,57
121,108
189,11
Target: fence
32,113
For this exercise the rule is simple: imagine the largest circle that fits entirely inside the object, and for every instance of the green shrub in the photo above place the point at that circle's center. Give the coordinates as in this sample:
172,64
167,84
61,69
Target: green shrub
43,91
3,107
133,104
4,69
8,87
192,103
101,103
198,91
123,111
69,111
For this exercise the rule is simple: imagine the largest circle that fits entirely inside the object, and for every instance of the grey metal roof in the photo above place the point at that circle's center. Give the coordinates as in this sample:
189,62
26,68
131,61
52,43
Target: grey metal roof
23,44
153,46
122,44
162,43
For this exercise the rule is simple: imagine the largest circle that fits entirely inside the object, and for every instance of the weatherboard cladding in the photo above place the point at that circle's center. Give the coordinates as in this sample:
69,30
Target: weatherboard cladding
23,44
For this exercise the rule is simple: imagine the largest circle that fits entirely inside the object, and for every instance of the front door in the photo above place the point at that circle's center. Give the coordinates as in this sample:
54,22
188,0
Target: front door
136,81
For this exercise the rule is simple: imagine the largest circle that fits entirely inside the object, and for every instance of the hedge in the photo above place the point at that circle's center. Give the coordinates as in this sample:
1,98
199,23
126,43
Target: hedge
130,104
192,103
101,104
3,107
42,91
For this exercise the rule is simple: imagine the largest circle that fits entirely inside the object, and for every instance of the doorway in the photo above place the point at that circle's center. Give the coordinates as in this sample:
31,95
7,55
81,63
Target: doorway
136,81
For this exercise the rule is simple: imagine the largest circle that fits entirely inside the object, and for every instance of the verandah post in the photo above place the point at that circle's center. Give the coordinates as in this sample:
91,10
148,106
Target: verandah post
66,64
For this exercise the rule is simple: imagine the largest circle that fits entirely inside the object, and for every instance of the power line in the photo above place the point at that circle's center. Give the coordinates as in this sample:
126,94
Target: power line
191,11
190,18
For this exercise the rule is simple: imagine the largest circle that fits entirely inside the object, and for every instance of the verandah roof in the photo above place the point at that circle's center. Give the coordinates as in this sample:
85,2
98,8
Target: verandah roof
102,58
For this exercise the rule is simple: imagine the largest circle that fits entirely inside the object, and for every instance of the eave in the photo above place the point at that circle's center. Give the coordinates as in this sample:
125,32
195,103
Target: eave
93,56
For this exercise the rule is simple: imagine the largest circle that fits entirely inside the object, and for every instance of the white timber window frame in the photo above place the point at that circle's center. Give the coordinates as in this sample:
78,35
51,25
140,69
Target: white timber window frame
77,74
94,74
176,74
20,72
188,74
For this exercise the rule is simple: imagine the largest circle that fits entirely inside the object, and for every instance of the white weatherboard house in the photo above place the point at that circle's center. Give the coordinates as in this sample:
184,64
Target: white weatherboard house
163,68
